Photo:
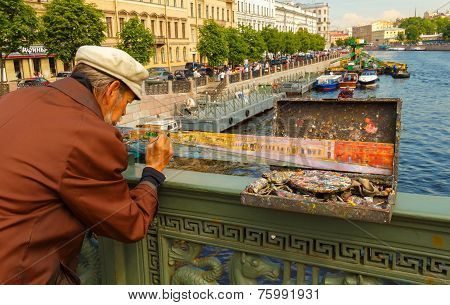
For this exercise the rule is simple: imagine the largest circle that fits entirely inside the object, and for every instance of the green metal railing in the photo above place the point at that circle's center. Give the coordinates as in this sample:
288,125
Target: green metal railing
201,222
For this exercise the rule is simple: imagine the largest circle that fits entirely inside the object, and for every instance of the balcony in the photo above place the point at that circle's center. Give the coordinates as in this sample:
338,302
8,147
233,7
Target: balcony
160,41
209,219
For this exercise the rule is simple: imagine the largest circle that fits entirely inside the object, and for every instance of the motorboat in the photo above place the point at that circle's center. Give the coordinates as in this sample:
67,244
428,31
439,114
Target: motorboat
161,125
418,49
368,78
349,81
396,49
327,82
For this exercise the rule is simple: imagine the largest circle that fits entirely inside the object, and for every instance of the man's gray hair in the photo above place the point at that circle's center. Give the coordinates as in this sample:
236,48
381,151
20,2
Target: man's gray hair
99,80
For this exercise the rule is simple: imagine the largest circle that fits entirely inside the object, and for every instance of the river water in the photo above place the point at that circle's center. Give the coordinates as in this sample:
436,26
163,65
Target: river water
425,138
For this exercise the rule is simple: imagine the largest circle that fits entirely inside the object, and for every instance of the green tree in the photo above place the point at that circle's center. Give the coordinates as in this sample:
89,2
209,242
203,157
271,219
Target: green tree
340,43
317,42
303,38
413,32
351,41
213,43
272,38
446,32
428,27
137,41
291,43
255,43
401,36
19,28
70,24
237,47
441,24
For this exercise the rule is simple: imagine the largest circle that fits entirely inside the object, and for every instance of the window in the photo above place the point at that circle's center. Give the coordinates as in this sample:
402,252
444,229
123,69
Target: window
143,22
223,14
37,65
163,56
175,3
192,9
253,8
228,15
218,13
238,7
184,54
199,10
207,12
169,30
193,35
182,4
170,54
212,12
52,63
319,20
121,23
161,28
18,70
176,29
155,58
320,12
109,27
177,54
152,24
183,30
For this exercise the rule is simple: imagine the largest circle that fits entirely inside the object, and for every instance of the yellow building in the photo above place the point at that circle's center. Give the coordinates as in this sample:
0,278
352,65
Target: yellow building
386,36
174,23
365,31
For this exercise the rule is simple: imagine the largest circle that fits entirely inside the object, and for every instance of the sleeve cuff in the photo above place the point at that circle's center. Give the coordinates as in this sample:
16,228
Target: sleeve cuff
153,176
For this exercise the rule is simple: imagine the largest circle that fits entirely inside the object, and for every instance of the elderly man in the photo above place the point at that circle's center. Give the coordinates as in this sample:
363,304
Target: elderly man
61,165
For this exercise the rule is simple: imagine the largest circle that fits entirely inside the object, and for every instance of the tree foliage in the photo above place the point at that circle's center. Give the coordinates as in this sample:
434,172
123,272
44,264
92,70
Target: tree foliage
137,41
70,24
237,46
212,43
416,26
255,43
291,43
19,28
273,39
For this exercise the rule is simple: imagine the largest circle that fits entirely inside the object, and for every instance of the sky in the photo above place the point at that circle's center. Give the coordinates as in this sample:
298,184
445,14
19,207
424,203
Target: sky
347,13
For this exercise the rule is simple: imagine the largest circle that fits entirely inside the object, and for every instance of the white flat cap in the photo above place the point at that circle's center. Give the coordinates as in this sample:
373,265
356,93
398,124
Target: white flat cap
116,63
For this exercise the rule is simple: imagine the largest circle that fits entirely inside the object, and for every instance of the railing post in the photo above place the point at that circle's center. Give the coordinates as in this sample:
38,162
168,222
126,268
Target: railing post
192,85
261,72
227,80
169,87
240,77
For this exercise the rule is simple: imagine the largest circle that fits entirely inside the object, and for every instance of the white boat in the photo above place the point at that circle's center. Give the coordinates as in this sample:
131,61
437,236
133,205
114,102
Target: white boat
418,49
368,78
397,49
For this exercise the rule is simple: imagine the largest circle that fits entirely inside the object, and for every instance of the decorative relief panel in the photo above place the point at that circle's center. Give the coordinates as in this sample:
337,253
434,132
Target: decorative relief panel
376,259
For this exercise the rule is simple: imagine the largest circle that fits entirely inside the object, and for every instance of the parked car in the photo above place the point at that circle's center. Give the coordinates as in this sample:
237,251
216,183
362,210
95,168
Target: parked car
206,71
33,82
183,74
161,76
62,75
275,62
193,65
156,69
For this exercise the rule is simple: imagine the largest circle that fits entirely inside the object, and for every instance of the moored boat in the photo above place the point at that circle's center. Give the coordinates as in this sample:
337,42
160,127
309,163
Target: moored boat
368,78
327,82
349,81
401,74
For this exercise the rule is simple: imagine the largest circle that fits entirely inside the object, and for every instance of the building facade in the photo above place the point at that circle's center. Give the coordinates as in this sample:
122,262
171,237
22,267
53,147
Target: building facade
337,35
365,31
255,13
322,11
174,23
291,17
386,36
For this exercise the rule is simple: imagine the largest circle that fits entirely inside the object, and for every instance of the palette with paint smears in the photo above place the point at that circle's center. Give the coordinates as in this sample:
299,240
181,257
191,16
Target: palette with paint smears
349,149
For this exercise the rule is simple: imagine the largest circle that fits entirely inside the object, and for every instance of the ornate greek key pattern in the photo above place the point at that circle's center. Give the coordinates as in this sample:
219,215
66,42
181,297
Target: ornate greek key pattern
153,254
383,258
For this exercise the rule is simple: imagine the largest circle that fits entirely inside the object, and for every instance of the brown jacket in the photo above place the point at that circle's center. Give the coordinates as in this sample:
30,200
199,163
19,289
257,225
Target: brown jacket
60,174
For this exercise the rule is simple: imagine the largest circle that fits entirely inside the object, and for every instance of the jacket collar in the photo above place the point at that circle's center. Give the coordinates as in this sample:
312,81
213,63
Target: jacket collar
79,93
